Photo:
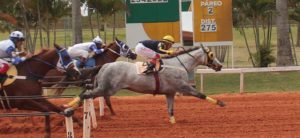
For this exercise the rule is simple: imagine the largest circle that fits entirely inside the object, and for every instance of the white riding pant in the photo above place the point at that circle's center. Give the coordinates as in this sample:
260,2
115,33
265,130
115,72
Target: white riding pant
145,52
75,53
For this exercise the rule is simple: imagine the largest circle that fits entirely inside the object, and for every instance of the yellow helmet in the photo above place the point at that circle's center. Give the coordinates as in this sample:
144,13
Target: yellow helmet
168,38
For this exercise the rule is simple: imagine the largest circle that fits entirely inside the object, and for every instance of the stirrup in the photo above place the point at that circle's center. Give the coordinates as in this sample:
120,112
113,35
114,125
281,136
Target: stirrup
150,68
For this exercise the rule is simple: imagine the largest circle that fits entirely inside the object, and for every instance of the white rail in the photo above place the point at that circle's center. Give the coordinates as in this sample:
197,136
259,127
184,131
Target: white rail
242,71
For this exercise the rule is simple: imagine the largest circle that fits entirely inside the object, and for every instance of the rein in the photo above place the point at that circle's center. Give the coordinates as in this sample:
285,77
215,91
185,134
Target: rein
124,53
45,62
181,61
106,56
181,64
114,51
36,76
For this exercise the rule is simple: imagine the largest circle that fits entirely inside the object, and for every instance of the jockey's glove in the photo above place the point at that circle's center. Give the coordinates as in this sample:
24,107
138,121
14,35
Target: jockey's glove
170,52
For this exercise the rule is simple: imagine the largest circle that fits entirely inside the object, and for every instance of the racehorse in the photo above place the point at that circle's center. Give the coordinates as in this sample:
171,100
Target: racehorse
171,79
35,68
113,51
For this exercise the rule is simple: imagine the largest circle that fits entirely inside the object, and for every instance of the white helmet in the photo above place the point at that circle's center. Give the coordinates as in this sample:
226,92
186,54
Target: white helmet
97,40
17,35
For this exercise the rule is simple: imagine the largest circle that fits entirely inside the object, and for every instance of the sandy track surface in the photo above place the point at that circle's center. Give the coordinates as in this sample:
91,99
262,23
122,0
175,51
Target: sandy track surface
246,115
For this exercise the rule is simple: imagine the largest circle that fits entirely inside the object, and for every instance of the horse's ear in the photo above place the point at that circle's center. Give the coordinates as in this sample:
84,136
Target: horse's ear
205,49
57,46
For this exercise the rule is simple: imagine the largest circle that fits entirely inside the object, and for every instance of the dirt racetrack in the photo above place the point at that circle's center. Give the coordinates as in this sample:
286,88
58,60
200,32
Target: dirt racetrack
246,115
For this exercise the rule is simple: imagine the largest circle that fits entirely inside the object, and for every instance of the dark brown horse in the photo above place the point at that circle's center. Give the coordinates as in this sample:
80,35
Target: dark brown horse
35,69
113,51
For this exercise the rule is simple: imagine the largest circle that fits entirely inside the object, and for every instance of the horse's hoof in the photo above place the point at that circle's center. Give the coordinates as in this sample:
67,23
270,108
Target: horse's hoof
84,96
172,120
221,103
113,113
69,112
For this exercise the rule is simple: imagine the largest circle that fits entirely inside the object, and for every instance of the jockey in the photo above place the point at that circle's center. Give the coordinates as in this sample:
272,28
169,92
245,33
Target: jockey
150,49
84,52
9,51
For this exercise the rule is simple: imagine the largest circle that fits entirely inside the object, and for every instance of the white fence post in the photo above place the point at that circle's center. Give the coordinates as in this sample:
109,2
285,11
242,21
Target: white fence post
69,127
241,82
201,83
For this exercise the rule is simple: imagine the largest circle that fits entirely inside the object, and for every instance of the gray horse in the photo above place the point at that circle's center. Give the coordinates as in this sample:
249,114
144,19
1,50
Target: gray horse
172,78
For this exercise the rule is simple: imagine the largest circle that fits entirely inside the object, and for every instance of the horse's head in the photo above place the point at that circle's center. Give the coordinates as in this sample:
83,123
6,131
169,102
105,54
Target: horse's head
212,61
122,49
65,63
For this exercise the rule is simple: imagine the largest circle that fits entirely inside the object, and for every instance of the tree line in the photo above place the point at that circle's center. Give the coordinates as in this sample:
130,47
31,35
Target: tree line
42,16
260,15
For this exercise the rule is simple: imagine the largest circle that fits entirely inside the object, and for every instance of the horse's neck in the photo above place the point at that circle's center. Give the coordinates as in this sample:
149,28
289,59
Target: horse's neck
106,57
188,61
38,68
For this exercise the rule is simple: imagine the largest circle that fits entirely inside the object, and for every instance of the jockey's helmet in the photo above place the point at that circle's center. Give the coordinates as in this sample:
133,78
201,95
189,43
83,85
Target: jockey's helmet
168,39
17,35
97,40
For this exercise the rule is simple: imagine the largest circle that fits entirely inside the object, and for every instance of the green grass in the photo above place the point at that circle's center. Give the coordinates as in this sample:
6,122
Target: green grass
253,82
230,83
214,83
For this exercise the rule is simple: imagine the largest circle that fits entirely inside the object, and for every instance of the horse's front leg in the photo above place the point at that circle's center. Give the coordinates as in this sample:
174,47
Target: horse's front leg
170,102
108,103
189,90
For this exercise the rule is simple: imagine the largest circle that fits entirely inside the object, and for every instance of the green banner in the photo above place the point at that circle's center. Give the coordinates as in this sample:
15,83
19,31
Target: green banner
146,11
185,5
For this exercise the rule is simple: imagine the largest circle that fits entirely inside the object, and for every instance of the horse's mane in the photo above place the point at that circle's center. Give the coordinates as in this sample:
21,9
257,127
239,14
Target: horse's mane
42,51
180,52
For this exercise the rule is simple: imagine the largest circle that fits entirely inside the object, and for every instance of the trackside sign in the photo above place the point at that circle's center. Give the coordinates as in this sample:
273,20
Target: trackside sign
212,22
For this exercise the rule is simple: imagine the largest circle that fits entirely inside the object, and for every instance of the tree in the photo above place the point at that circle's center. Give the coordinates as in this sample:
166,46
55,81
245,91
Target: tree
7,20
294,14
76,22
258,15
58,10
107,8
284,51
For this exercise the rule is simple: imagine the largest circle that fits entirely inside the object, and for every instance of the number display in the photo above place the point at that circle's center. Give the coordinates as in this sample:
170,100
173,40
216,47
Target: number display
208,27
210,10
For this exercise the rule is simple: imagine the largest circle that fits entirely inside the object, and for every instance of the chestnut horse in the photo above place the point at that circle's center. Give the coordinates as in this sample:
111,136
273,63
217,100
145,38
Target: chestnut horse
35,69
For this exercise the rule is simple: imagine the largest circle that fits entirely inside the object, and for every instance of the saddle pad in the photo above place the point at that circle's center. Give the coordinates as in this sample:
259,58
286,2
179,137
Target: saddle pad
12,71
140,67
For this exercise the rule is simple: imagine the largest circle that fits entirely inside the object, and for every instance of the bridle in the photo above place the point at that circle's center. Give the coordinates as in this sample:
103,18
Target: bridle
209,59
123,51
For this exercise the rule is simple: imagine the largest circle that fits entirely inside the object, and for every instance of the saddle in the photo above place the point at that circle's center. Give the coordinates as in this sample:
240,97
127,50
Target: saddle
142,67
7,79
